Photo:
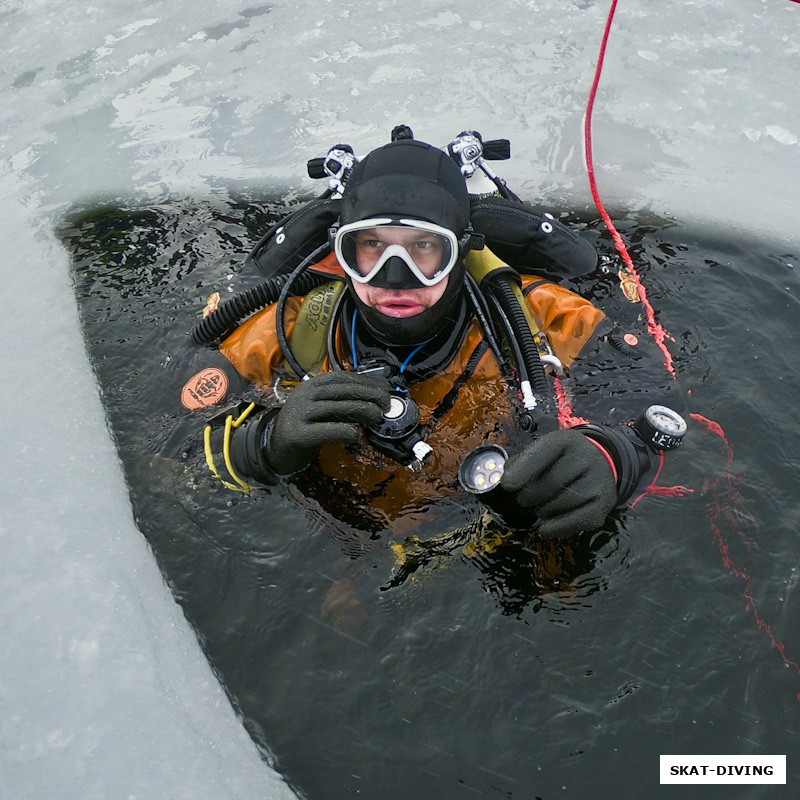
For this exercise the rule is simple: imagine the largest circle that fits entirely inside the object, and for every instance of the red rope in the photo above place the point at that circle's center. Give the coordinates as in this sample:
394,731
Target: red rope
727,502
726,510
566,415
629,273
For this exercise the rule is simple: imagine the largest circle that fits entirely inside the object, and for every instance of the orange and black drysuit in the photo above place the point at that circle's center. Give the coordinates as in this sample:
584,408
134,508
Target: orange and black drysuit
466,402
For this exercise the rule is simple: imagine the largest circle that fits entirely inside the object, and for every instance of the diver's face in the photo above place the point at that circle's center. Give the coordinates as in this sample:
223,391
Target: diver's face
400,303
424,249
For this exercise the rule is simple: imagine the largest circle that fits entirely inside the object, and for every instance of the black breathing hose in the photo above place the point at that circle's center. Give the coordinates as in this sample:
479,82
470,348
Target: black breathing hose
283,294
231,313
512,340
520,330
483,313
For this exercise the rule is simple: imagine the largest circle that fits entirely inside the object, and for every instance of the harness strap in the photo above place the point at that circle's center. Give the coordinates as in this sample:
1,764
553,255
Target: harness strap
309,339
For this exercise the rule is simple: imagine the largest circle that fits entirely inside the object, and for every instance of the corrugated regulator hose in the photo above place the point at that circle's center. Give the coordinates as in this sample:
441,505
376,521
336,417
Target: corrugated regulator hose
531,365
231,313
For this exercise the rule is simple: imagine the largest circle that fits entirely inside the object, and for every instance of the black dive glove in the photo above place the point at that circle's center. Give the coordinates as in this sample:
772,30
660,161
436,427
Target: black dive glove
326,408
565,481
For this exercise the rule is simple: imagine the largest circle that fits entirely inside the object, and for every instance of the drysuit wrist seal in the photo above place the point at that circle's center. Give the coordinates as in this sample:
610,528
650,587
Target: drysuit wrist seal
632,458
248,449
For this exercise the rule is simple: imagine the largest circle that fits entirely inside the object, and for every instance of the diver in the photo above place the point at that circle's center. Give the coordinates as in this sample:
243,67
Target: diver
415,344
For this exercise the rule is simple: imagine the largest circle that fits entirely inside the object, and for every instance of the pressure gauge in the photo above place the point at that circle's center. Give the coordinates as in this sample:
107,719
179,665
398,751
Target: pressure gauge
661,428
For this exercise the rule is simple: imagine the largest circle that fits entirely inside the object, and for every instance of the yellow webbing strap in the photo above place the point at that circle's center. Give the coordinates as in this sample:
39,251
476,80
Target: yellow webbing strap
240,485
309,339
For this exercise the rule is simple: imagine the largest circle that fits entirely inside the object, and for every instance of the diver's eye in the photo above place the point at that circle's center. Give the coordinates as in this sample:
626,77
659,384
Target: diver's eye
369,243
427,246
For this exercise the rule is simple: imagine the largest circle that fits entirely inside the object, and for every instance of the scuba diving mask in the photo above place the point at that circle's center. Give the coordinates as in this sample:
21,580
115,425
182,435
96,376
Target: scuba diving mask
396,253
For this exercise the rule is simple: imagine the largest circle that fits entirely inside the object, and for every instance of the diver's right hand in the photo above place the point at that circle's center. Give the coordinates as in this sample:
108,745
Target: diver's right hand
326,408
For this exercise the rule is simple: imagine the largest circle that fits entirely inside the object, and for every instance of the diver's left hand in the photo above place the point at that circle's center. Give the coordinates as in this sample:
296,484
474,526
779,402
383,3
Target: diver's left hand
565,480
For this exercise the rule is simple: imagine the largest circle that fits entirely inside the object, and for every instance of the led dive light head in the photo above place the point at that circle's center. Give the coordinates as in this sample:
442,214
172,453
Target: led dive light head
481,473
482,469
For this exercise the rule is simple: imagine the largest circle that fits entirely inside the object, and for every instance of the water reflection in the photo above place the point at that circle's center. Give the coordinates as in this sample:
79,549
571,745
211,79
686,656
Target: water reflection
518,570
445,656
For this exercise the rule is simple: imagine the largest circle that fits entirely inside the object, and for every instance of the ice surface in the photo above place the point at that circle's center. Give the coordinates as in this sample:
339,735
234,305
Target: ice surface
103,689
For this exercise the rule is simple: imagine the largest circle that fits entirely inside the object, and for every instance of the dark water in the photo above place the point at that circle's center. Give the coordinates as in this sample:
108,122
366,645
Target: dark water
553,671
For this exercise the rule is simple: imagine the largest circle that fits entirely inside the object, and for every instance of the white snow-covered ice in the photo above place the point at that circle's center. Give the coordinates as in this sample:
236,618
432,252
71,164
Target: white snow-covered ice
104,691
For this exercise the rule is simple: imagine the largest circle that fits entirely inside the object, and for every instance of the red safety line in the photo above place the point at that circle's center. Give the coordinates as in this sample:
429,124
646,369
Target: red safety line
727,502
726,509
656,330
566,415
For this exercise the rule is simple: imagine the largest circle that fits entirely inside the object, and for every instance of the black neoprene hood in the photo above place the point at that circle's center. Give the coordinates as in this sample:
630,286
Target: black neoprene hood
407,178
410,179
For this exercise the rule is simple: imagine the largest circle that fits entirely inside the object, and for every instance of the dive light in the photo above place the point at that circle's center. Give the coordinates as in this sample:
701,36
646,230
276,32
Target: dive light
482,469
480,474
657,429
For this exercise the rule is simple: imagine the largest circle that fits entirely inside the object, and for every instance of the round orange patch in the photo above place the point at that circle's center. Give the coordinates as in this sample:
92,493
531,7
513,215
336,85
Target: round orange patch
205,389
631,339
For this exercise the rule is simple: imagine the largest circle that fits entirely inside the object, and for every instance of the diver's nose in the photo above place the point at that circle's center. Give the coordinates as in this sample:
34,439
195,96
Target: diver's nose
396,274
